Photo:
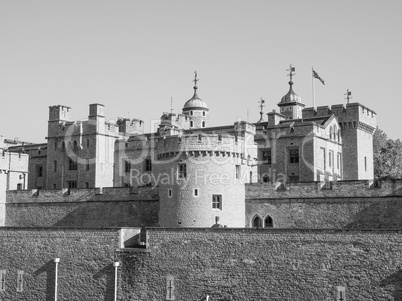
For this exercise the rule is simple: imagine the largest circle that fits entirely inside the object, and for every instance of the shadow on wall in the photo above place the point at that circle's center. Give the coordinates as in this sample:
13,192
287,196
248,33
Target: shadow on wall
385,214
107,275
112,214
49,269
395,281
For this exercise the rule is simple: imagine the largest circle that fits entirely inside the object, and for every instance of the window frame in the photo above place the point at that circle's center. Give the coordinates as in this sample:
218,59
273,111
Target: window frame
217,201
182,170
294,155
72,164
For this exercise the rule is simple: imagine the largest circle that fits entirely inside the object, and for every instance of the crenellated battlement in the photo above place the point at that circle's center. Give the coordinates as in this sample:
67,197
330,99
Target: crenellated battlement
353,112
220,143
341,189
130,126
59,112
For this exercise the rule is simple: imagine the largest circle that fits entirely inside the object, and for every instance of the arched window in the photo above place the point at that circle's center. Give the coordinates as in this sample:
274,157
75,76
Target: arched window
75,145
63,145
339,135
330,132
257,222
269,223
203,124
203,113
191,124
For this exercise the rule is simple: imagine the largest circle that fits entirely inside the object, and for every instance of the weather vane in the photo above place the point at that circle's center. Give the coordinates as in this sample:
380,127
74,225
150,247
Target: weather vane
195,78
348,95
291,71
262,104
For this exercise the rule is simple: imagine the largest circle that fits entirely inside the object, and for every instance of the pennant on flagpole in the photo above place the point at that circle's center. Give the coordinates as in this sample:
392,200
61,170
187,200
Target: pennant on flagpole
315,75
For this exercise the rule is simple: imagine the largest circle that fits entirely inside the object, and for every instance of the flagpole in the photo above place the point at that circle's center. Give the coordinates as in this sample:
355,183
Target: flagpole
312,80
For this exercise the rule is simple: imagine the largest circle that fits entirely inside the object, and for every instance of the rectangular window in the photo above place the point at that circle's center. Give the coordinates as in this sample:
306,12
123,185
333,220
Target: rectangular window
148,165
266,157
54,166
87,185
54,186
87,143
365,163
338,160
237,172
55,145
182,174
39,171
331,158
127,166
72,165
72,184
195,192
324,161
217,201
170,193
86,164
20,281
2,280
294,155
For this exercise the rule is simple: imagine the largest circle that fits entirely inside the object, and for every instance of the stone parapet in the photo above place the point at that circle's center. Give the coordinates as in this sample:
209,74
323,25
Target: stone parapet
344,189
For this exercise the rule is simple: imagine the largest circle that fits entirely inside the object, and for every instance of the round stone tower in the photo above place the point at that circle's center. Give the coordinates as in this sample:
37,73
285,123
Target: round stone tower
196,109
202,180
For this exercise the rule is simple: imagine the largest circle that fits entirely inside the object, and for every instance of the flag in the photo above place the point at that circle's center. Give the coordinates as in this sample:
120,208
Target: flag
315,75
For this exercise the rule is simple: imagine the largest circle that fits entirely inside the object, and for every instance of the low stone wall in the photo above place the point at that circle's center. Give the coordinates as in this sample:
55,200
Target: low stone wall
259,264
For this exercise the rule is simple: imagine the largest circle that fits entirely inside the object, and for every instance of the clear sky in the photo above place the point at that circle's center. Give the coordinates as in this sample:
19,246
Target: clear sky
133,56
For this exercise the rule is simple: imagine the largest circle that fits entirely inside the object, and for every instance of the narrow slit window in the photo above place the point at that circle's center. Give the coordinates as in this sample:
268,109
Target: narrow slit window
2,280
20,281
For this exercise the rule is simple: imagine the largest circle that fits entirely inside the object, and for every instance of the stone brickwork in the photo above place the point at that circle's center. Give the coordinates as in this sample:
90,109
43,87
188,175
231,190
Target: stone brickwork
229,264
346,204
94,208
224,264
85,271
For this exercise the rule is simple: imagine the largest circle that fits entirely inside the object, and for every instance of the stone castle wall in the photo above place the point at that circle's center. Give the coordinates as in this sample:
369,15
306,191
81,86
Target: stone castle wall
346,204
94,208
85,271
225,264
258,264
